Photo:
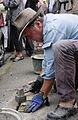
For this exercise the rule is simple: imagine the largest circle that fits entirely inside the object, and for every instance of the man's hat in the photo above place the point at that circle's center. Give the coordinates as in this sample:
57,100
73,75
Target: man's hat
25,17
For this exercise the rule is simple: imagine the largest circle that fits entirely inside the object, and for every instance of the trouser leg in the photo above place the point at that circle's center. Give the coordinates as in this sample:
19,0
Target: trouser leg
14,37
65,69
29,45
5,33
0,36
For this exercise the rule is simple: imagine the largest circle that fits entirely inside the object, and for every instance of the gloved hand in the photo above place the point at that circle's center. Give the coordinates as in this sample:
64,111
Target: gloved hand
36,102
36,86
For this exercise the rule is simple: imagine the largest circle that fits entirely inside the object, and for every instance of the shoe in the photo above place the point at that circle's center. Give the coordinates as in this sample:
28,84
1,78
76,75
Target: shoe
62,113
12,58
18,58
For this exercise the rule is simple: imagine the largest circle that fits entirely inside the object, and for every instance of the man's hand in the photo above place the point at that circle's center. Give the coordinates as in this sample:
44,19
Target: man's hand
36,102
36,86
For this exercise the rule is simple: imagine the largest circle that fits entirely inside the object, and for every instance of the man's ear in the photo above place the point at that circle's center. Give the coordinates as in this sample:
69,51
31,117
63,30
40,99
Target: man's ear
38,24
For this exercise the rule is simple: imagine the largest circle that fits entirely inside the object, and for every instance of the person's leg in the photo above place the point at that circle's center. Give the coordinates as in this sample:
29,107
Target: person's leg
65,78
1,48
18,45
76,75
10,47
5,33
29,47
65,69
0,35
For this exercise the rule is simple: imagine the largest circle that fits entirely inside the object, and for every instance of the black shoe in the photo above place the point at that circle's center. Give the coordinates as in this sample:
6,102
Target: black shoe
12,58
62,113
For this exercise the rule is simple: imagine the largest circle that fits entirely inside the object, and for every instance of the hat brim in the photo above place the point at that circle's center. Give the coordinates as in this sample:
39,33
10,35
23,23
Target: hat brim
31,20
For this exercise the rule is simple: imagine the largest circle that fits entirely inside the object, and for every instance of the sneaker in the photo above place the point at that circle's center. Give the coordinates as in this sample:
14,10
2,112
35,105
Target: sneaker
62,113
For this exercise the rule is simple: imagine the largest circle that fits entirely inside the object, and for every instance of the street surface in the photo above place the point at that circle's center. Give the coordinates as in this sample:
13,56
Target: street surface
17,75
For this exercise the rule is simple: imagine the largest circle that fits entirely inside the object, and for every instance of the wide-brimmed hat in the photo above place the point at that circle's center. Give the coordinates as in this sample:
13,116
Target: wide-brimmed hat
25,17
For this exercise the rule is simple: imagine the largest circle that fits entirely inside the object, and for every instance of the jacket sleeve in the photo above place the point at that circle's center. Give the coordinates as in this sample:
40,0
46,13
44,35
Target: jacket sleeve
11,3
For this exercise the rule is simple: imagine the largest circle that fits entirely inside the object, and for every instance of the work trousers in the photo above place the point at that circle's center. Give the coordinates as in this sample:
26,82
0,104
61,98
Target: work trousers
65,68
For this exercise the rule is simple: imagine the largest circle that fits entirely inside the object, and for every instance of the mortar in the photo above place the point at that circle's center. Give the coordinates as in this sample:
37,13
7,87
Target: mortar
37,63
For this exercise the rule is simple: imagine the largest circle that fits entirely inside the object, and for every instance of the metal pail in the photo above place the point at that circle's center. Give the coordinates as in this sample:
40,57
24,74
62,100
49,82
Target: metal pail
37,63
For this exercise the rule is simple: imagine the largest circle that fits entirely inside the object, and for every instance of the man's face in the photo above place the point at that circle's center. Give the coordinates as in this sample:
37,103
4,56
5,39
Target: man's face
34,32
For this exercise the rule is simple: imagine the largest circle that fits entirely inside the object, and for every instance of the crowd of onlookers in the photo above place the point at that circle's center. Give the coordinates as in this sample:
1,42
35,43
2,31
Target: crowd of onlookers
9,10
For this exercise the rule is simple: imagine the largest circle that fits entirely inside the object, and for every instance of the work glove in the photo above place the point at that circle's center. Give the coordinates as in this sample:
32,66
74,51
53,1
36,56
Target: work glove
36,102
36,86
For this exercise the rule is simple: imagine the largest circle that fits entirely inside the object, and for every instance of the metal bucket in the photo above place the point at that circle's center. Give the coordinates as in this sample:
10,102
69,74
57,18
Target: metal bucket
37,62
10,114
